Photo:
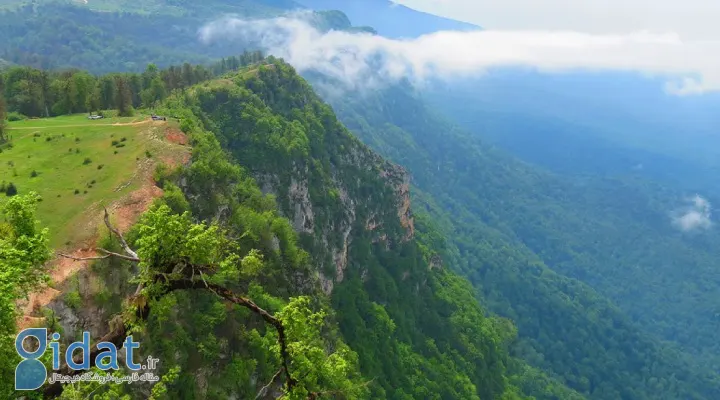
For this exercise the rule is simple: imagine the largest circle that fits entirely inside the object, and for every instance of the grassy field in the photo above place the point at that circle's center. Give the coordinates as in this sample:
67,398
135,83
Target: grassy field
78,165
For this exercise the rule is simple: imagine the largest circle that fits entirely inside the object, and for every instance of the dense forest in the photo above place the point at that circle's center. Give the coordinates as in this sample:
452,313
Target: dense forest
60,36
515,231
396,324
506,281
31,92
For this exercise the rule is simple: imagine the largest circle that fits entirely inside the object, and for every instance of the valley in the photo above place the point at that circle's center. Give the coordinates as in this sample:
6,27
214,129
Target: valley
294,238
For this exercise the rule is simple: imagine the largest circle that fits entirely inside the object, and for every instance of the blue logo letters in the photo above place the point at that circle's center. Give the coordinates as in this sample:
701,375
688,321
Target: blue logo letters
30,373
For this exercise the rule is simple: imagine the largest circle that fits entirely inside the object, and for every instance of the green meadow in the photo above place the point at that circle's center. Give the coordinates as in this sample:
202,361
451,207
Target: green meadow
76,165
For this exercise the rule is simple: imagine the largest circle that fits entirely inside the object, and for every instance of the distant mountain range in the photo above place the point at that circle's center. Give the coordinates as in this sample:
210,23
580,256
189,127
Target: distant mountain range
388,18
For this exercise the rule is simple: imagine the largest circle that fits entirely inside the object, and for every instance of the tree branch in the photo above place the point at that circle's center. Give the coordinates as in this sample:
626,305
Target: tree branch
120,237
83,258
118,334
124,257
265,388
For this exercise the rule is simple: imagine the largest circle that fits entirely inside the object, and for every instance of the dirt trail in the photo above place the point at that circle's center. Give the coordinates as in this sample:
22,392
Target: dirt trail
86,125
123,213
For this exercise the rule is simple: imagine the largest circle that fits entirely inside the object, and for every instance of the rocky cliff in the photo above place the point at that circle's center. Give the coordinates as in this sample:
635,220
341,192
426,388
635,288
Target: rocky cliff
331,186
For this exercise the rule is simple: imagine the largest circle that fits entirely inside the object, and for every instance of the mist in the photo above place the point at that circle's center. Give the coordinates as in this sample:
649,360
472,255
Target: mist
366,60
696,216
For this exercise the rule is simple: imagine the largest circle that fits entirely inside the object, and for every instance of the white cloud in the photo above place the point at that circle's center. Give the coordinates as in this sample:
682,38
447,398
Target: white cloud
695,216
689,66
689,18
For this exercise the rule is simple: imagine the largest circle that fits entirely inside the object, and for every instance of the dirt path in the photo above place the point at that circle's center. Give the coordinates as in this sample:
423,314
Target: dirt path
85,125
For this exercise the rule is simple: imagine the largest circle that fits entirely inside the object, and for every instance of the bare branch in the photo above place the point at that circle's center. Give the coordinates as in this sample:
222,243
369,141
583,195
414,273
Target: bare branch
83,258
107,255
120,237
265,388
118,255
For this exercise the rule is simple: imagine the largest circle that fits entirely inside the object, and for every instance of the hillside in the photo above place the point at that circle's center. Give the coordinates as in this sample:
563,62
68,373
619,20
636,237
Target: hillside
121,41
514,230
260,8
623,184
580,286
280,203
76,165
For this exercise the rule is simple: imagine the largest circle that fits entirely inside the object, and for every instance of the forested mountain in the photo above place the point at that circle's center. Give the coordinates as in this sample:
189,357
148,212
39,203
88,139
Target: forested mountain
211,8
581,284
627,198
521,235
283,213
58,36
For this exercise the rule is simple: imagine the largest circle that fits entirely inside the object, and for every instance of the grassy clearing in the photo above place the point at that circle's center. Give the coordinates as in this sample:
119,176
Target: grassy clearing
77,165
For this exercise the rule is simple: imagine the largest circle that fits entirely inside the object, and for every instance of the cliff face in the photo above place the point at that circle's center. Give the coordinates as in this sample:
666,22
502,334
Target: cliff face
330,185
412,327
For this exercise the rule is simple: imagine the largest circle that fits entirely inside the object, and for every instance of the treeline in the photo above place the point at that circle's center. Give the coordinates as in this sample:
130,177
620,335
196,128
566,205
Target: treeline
30,92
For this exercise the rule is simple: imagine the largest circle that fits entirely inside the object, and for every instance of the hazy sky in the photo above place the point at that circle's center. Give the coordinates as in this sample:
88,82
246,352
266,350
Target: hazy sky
688,18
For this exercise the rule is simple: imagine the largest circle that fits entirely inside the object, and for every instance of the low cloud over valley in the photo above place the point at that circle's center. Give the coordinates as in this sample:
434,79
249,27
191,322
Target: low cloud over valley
687,66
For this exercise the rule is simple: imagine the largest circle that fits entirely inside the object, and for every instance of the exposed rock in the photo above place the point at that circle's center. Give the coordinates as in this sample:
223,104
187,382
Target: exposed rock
400,181
435,262
303,216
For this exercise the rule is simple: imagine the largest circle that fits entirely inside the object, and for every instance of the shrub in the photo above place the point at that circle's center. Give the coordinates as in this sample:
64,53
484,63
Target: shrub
115,142
15,116
77,140
87,161
73,299
148,154
33,174
77,191
11,190
100,167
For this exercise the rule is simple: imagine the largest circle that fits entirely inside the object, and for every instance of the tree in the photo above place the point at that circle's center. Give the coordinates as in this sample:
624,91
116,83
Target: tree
123,97
154,93
23,252
174,254
3,117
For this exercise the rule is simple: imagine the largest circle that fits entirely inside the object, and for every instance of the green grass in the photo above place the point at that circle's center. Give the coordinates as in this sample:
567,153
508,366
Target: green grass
57,150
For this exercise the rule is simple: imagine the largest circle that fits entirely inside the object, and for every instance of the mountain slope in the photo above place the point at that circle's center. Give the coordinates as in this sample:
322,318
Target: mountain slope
388,18
351,210
622,205
269,158
260,8
59,36
493,209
